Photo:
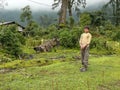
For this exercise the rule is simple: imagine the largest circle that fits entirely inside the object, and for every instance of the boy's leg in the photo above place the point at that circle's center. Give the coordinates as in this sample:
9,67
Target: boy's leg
82,60
82,56
86,56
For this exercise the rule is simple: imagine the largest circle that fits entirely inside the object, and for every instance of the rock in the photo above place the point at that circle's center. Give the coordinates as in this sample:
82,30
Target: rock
47,46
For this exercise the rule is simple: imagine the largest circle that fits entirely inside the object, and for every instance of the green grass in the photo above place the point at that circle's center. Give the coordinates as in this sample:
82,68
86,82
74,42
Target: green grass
103,73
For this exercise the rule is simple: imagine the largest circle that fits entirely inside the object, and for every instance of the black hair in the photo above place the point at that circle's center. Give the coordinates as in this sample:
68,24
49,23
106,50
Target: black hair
86,27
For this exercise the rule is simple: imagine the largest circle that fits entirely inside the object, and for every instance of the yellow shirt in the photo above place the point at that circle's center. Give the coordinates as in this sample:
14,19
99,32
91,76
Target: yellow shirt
85,39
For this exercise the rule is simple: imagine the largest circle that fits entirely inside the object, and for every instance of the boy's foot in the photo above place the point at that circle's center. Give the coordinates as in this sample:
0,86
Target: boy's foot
83,69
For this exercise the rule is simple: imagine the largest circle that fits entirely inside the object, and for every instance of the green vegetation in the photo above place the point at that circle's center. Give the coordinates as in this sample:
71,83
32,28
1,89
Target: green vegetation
62,73
11,40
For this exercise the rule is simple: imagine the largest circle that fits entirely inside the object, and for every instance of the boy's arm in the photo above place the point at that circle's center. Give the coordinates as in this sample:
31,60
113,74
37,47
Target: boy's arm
80,41
89,39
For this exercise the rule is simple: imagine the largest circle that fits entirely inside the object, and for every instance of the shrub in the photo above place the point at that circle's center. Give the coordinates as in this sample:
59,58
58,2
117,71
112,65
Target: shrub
108,25
117,36
104,45
98,43
85,19
11,40
113,47
32,29
70,38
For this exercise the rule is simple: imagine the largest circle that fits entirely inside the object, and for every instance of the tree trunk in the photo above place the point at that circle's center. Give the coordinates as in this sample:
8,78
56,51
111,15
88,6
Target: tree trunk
63,12
117,12
70,8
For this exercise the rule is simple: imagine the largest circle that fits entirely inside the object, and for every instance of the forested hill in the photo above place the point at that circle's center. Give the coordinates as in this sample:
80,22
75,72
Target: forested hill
43,17
39,16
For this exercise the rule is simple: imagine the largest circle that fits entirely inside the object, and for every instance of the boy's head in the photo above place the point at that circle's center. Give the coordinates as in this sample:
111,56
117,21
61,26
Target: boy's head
86,29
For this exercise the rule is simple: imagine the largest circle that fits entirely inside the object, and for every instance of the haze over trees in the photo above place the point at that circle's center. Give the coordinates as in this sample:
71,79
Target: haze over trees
115,6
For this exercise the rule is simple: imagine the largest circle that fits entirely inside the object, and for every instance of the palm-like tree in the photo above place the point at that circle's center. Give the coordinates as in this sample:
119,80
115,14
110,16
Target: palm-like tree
63,10
67,4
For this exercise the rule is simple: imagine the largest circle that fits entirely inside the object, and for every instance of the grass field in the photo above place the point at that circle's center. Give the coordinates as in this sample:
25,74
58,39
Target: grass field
62,73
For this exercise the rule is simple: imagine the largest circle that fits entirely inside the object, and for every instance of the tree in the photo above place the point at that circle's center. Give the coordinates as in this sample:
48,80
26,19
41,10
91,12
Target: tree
67,4
115,4
26,15
63,12
32,29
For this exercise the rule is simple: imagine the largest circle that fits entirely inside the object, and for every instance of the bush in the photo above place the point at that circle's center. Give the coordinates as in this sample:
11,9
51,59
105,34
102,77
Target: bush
32,29
98,43
113,47
117,36
104,45
70,38
108,25
11,40
85,19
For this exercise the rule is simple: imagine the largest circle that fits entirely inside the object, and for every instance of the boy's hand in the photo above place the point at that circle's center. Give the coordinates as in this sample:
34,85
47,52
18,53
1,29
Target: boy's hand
83,46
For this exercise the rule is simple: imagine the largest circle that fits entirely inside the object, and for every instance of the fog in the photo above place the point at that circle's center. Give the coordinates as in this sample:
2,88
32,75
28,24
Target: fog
12,9
39,4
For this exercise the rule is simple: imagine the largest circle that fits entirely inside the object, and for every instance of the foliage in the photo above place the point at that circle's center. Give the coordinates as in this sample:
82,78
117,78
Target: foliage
32,29
108,25
70,38
114,6
102,45
66,39
97,18
85,19
113,47
71,22
26,14
117,36
11,40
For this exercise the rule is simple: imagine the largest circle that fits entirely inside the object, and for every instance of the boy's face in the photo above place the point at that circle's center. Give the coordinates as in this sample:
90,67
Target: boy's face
86,30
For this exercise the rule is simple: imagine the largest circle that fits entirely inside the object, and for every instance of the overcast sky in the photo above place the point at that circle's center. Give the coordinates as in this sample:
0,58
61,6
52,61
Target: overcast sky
42,4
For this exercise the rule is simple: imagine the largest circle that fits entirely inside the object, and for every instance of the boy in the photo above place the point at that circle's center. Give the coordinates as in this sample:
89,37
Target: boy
85,40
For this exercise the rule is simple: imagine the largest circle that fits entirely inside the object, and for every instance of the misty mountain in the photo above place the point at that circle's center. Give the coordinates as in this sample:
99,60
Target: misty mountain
41,16
14,15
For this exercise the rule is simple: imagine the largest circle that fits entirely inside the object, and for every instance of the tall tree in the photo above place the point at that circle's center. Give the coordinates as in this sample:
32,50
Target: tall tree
63,10
115,4
26,15
67,4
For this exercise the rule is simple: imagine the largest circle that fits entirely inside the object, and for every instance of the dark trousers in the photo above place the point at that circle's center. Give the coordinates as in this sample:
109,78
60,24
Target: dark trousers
85,56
